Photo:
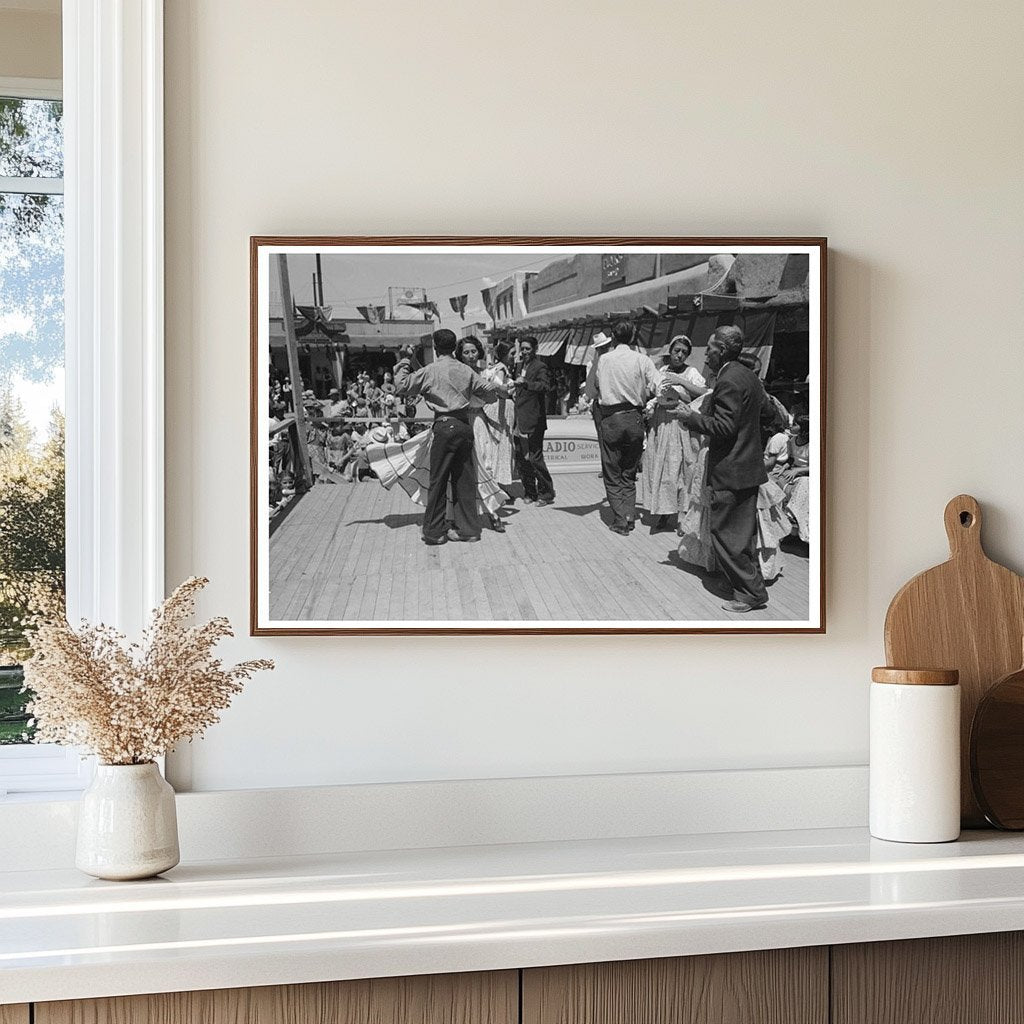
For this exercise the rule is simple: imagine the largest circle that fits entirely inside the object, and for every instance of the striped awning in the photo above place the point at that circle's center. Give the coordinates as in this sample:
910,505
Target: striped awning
654,334
549,343
580,350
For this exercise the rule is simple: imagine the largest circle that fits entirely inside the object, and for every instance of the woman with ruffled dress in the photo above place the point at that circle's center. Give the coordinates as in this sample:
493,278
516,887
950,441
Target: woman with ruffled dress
773,526
671,451
407,465
492,422
790,470
695,505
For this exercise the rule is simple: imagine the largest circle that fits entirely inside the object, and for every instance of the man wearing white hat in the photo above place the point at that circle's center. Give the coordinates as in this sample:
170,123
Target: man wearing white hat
600,343
621,380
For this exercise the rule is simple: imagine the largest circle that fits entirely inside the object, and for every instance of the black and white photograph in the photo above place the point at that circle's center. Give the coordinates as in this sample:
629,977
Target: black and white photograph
537,435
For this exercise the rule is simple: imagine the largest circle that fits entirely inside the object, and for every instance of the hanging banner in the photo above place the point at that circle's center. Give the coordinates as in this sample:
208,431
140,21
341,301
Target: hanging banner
372,314
487,289
427,308
402,295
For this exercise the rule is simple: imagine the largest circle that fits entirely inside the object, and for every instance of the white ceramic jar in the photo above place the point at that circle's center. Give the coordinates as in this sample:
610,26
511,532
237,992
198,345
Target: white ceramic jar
915,755
127,823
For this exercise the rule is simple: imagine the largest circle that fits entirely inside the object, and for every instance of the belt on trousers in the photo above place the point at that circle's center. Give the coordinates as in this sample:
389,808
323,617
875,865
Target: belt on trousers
611,410
461,414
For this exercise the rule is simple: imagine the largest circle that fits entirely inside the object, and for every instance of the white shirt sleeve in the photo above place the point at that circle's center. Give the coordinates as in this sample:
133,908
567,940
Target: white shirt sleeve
694,377
778,445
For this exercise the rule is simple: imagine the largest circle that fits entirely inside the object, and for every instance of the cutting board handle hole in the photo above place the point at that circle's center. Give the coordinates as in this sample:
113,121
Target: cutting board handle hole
966,519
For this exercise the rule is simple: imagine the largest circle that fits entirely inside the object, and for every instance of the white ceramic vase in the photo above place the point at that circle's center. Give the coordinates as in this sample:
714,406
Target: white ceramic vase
127,825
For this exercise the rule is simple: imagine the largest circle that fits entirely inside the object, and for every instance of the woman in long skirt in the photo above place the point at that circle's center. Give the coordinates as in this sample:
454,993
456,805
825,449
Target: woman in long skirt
492,438
790,468
492,423
408,465
695,505
671,454
772,526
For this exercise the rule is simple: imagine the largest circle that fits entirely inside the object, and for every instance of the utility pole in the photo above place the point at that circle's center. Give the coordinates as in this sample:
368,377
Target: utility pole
303,470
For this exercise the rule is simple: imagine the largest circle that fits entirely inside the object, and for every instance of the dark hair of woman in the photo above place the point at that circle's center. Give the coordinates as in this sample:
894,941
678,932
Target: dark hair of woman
460,350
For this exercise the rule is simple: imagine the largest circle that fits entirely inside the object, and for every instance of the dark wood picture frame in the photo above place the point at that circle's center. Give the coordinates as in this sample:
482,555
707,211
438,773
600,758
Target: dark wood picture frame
723,244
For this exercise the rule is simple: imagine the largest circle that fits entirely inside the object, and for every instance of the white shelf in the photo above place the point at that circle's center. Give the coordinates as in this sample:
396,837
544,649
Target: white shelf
354,915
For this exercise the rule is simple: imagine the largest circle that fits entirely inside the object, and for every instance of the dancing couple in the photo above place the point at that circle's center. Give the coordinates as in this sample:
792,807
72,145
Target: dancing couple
454,468
720,525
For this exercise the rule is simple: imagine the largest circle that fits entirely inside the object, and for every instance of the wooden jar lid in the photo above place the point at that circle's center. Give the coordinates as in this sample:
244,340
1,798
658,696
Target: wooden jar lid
916,676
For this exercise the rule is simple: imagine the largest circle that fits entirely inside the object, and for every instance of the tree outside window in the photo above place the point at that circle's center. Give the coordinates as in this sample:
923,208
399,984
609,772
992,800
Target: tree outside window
32,541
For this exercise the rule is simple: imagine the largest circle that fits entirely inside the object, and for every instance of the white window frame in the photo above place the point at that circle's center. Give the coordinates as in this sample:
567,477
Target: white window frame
114,323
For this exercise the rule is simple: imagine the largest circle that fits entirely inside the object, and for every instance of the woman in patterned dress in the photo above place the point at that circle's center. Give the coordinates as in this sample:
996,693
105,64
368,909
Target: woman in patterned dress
492,422
791,471
671,452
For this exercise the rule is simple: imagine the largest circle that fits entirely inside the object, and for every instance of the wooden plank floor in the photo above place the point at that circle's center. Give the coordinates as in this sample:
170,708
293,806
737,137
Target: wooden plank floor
353,552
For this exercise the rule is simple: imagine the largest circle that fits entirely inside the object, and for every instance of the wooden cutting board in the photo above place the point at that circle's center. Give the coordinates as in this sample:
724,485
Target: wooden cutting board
967,614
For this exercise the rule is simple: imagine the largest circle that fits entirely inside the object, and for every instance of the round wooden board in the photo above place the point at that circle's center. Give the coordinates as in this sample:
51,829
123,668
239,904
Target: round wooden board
997,752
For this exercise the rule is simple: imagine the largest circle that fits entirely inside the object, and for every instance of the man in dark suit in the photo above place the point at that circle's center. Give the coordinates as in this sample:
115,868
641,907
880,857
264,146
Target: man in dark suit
732,420
532,384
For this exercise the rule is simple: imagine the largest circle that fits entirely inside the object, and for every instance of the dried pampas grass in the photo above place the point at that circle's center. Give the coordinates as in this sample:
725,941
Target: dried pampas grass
128,704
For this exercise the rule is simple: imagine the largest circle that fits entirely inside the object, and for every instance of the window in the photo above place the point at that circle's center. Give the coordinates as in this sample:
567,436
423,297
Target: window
32,531
112,213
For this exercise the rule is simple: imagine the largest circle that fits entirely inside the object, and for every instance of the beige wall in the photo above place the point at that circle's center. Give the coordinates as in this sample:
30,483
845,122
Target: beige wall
30,44
895,129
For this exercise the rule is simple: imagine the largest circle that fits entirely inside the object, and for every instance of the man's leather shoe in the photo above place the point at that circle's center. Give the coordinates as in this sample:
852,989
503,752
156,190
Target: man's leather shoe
541,502
434,541
741,606
465,539
620,529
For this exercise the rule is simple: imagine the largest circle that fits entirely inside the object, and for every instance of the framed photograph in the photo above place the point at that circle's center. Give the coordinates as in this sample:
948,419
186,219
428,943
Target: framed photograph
537,435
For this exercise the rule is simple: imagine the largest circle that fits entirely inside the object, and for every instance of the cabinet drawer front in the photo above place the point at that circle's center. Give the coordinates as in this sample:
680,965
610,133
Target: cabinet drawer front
14,1014
778,986
484,998
960,979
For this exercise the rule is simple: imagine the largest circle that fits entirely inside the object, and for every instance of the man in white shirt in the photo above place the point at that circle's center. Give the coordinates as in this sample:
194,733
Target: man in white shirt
336,405
621,381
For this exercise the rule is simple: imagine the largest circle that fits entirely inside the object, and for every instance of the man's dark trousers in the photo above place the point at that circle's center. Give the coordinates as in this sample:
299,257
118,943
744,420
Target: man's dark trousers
533,470
451,462
622,436
734,540
602,446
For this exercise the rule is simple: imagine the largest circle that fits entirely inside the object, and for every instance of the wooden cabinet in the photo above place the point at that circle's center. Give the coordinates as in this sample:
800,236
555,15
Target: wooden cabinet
491,998
962,979
778,986
968,979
